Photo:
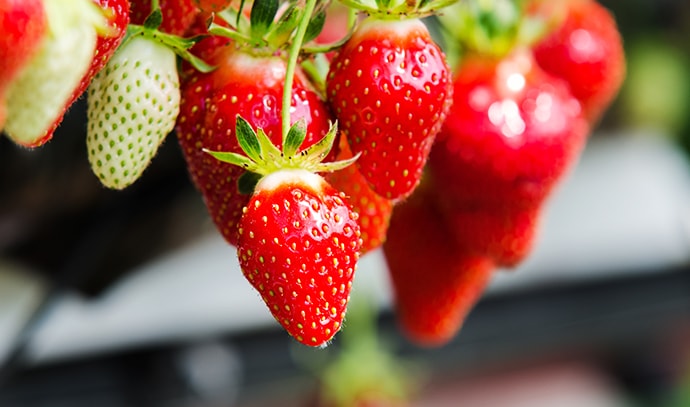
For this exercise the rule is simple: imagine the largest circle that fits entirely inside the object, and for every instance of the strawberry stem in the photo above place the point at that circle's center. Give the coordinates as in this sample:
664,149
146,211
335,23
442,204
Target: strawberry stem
295,48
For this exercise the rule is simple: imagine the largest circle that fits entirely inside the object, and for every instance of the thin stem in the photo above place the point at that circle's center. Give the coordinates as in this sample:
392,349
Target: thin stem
295,48
155,5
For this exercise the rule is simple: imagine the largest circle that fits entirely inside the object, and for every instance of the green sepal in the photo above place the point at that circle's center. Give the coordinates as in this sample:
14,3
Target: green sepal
261,17
217,29
247,139
295,138
247,182
154,20
315,26
281,31
232,158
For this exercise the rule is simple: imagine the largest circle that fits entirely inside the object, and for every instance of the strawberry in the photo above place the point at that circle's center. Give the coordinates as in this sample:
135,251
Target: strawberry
390,89
435,283
298,245
374,210
242,84
79,41
178,15
585,48
132,105
512,134
22,27
298,240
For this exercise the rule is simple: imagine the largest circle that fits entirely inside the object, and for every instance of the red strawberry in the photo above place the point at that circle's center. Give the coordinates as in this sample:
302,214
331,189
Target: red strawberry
22,27
435,283
178,15
511,135
245,85
298,240
390,88
81,43
298,246
374,210
586,50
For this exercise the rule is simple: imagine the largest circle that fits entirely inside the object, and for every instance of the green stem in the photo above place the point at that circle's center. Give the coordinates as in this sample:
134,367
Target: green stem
155,5
295,48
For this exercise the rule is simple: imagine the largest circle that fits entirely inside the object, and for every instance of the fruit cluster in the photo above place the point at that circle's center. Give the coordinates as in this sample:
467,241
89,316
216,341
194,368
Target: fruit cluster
318,132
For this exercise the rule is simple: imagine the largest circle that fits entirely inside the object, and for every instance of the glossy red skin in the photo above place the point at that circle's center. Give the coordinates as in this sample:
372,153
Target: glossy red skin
208,114
22,26
435,283
390,89
178,15
105,48
374,210
298,247
586,50
494,178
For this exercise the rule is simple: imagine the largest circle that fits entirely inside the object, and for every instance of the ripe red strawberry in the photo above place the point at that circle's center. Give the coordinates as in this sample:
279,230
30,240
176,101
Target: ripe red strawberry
178,15
298,240
390,89
585,49
22,27
81,42
374,210
511,135
435,283
246,85
298,246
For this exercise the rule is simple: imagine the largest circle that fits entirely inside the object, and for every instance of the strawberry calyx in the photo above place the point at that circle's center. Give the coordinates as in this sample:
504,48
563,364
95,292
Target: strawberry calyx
179,45
263,157
270,28
490,28
398,9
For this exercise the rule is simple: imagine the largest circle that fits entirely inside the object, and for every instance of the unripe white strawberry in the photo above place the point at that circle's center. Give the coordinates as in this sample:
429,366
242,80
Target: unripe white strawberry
132,106
37,97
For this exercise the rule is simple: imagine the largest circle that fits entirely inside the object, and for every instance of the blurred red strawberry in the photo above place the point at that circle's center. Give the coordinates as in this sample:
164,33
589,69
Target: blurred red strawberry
585,48
435,283
511,135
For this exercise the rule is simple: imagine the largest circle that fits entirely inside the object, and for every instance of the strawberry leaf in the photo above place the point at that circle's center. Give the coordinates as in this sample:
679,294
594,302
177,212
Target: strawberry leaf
295,138
247,139
283,29
262,15
247,182
232,158
154,20
315,26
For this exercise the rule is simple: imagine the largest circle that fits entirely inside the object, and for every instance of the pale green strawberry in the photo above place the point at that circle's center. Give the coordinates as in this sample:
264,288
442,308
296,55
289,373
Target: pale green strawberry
132,106
37,97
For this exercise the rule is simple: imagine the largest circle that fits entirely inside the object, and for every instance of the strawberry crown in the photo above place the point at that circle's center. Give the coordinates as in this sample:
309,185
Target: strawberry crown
178,45
398,9
492,28
271,27
263,157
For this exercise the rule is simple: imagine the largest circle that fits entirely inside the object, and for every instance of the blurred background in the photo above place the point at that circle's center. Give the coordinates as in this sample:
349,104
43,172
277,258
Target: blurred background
132,298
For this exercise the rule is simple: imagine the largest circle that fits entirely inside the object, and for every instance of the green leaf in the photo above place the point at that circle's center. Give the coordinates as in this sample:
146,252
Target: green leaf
315,26
283,29
233,158
154,20
247,182
317,152
262,15
295,138
247,139
271,156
